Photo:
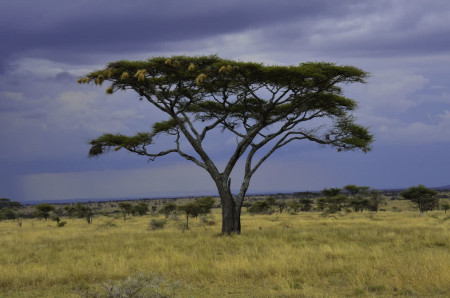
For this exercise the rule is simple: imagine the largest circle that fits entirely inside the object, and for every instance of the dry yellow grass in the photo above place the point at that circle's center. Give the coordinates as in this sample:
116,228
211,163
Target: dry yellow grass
344,255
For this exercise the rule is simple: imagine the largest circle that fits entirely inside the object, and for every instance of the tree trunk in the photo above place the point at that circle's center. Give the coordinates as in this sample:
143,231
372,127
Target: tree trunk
231,206
231,209
231,216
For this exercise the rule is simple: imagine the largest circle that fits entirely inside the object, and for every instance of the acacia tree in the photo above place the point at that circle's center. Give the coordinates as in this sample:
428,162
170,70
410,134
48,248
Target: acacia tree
264,107
424,198
43,210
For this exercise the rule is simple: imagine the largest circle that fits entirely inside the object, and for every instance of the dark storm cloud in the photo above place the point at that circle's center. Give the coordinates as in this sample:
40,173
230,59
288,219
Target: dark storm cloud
77,30
69,30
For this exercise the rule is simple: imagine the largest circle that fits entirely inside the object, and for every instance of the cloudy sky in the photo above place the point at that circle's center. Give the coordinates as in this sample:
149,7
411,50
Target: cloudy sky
46,118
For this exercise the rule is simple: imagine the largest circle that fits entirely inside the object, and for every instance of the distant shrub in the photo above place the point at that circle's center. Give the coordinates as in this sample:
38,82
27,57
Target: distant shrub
156,224
259,207
109,223
207,221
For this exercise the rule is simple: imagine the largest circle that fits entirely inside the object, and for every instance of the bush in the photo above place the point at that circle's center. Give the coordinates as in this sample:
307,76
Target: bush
260,207
157,224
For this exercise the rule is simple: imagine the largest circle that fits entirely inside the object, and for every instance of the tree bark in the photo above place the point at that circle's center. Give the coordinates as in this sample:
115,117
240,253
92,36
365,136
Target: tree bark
231,216
231,209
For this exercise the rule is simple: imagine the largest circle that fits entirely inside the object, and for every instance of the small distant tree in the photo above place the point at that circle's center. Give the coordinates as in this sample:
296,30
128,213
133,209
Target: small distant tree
168,209
424,198
336,203
271,201
376,199
140,208
191,209
126,208
205,205
7,203
43,210
321,203
354,190
294,206
358,203
8,208
306,204
82,211
59,223
281,204
259,207
332,192
445,206
70,210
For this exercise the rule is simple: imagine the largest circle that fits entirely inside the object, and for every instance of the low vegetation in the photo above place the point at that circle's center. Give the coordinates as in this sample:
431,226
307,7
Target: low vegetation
309,254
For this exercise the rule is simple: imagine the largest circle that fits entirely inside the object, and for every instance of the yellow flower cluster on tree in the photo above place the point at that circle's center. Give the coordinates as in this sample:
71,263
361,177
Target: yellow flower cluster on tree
83,80
201,77
191,67
176,63
99,80
125,76
109,72
227,68
140,75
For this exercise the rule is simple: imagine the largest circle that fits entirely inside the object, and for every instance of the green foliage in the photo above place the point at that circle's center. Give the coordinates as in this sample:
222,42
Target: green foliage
332,192
424,198
281,204
8,209
43,210
353,190
336,203
168,209
176,84
294,206
306,204
376,199
7,213
81,211
259,207
205,204
201,206
156,224
7,203
108,141
164,126
59,222
358,203
191,209
271,201
445,206
322,203
140,208
126,208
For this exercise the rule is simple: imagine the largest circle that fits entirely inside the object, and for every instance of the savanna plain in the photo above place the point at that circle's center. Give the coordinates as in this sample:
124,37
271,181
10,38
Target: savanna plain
347,254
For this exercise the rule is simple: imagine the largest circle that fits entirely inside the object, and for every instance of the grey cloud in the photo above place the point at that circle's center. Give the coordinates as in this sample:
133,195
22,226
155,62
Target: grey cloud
70,31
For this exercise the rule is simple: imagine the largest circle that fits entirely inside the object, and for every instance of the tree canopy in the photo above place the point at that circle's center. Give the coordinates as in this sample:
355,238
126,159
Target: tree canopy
264,107
43,210
424,198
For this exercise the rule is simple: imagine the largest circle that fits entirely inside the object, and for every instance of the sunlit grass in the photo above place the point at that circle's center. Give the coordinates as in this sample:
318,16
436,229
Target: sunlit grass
342,255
